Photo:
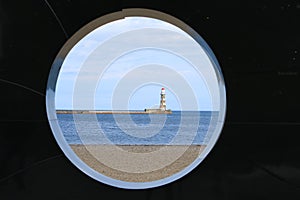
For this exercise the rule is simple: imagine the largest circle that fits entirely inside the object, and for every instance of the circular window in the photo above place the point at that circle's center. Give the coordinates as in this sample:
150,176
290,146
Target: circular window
136,99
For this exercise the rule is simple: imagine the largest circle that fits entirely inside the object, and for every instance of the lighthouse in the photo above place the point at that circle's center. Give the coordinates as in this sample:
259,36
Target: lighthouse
162,105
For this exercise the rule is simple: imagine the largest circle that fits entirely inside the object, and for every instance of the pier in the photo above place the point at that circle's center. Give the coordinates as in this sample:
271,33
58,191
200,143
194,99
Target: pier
111,112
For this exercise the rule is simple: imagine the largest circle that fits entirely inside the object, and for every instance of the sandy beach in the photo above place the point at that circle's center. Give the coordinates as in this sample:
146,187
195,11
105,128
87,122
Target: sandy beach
137,163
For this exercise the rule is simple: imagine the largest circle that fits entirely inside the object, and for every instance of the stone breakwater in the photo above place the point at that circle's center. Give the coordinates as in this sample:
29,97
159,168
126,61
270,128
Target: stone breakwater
146,111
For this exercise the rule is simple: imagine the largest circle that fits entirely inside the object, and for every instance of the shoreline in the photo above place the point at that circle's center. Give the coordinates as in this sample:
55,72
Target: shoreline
135,172
111,112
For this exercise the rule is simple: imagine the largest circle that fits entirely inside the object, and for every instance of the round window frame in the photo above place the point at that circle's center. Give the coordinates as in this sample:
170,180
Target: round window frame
54,73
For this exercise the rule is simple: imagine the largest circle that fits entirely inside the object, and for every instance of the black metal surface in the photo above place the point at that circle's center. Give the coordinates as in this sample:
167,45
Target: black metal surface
258,47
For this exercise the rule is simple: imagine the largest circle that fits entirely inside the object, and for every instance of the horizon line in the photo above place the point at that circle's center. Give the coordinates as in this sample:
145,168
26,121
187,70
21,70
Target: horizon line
122,110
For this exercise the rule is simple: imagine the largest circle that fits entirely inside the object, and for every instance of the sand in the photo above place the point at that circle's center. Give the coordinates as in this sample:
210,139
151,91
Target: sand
138,163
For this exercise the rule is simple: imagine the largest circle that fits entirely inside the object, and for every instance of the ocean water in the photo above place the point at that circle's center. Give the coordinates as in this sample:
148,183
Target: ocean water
180,127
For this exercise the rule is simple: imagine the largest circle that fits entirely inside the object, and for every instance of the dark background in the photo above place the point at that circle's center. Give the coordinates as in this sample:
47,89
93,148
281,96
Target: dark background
257,155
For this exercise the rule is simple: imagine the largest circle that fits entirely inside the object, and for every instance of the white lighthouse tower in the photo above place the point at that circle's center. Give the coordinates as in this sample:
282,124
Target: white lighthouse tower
163,106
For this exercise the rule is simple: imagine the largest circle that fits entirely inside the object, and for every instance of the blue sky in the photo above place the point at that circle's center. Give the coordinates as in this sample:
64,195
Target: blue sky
123,65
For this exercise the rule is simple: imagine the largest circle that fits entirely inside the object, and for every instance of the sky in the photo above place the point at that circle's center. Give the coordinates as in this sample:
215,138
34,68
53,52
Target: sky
124,64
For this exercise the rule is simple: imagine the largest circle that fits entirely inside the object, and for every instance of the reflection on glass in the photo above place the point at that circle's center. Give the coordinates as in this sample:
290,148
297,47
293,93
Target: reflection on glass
138,101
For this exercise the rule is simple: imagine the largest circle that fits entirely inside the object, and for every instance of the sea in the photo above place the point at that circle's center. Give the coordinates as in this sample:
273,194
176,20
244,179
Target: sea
178,128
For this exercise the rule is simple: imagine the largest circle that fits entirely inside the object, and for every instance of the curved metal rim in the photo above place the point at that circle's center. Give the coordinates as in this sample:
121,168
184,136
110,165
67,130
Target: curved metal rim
54,72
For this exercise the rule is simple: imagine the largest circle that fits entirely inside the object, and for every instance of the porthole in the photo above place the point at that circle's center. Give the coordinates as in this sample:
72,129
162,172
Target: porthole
136,99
